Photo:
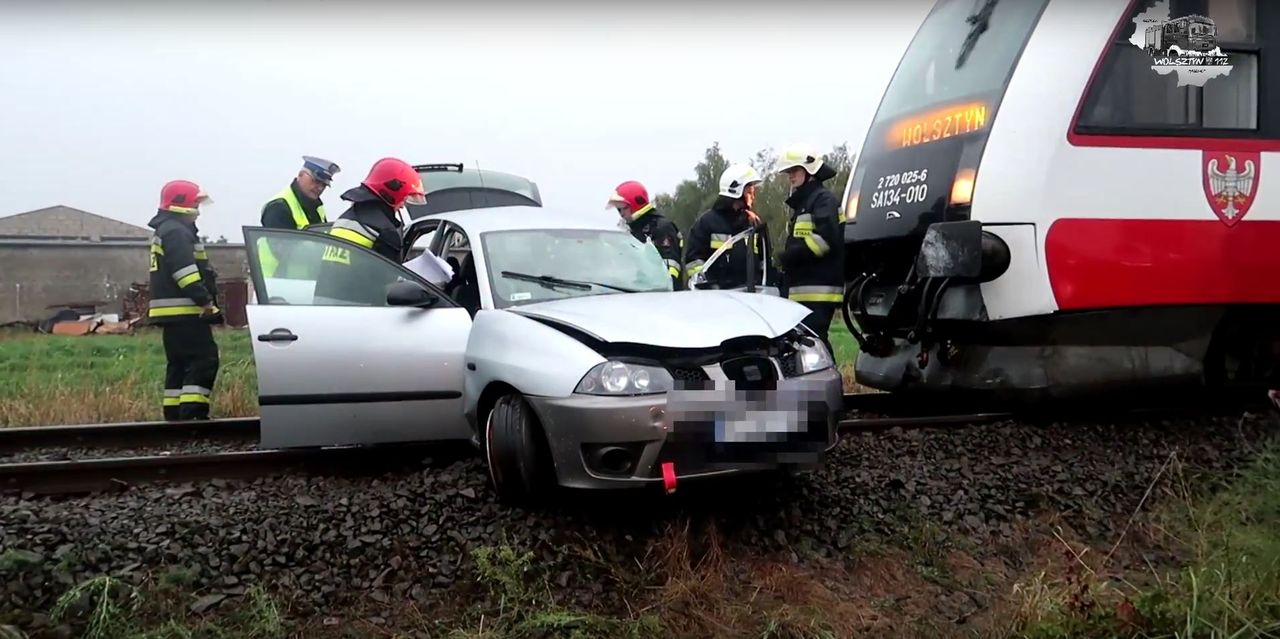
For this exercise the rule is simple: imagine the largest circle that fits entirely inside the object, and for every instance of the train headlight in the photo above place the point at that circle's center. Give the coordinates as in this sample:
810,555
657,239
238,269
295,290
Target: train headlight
851,206
962,187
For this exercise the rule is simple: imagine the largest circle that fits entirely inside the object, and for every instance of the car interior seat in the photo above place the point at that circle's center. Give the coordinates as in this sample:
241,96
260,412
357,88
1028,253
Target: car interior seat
467,291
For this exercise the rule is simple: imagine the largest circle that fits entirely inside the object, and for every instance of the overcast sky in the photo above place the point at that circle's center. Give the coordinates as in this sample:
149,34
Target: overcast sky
101,103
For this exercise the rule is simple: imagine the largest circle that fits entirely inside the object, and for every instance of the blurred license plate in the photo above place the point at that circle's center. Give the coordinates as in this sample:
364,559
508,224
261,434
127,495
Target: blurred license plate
757,427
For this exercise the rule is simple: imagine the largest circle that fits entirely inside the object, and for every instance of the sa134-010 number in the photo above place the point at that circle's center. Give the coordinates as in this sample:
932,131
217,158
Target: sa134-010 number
907,187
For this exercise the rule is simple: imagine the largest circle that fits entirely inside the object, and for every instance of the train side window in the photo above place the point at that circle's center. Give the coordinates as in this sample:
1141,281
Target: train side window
1128,96
1235,20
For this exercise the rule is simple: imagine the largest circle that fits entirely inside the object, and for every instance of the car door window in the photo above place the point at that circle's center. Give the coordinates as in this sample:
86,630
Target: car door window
455,243
424,237
323,270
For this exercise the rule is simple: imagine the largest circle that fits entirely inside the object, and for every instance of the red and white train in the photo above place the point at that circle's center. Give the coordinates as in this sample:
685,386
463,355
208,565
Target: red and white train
1048,204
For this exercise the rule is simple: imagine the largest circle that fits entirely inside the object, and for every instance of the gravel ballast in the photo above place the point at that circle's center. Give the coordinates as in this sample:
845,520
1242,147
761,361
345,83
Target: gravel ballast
407,536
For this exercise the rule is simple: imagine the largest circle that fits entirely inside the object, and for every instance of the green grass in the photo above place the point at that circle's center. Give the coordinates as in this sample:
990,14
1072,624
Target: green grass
846,350
1227,583
57,379
104,607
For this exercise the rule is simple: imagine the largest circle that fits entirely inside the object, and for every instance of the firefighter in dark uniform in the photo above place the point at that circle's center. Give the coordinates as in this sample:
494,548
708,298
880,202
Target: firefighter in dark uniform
646,223
183,302
729,215
297,206
813,258
372,222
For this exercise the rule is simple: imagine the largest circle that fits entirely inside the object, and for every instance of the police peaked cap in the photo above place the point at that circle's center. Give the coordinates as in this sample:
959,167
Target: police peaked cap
320,167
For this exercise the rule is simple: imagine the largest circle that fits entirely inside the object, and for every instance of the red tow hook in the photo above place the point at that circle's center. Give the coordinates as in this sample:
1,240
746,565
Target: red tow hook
669,477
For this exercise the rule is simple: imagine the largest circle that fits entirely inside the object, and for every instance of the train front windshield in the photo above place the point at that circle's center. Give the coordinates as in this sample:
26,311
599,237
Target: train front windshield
928,132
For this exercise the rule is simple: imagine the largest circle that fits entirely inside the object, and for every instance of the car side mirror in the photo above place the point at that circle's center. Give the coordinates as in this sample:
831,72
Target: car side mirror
410,294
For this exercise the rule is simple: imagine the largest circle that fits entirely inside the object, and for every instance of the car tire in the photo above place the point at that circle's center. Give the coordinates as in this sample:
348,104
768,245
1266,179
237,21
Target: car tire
517,453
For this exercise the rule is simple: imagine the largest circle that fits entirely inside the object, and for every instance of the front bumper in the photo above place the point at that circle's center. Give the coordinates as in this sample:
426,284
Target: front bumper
620,442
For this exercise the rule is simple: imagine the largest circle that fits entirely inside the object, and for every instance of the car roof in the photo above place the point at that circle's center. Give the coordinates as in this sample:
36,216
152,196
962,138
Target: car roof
511,218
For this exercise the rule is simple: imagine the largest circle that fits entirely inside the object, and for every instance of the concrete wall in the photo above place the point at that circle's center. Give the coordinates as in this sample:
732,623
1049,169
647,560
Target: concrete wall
35,275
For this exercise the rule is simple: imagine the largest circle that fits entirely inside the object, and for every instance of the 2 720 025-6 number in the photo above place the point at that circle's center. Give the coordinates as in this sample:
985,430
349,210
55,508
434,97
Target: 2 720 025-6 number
905,177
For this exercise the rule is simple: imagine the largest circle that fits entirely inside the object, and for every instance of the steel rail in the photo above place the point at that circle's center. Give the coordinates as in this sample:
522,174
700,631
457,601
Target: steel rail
107,473
119,473
880,424
126,434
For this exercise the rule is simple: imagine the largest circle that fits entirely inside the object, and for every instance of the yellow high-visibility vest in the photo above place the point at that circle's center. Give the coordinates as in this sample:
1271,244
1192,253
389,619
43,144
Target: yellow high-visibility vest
265,256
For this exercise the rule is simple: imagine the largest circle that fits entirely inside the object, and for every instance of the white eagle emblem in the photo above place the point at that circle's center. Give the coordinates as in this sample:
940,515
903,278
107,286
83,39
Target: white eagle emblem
1231,187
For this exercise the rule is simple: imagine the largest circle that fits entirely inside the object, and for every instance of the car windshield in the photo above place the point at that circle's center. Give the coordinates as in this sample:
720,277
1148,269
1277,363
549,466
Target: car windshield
537,265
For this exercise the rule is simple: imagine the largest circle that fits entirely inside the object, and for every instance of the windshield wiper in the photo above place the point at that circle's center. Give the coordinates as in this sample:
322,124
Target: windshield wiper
978,24
550,281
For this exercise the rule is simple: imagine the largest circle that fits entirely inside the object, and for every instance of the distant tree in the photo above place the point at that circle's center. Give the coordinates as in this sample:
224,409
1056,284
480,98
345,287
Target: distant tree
841,160
694,196
764,161
222,239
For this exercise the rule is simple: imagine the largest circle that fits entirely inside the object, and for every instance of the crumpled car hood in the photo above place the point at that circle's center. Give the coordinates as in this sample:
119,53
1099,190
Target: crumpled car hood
676,319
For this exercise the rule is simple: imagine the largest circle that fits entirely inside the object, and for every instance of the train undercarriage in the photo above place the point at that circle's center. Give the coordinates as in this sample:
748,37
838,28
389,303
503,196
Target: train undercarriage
922,325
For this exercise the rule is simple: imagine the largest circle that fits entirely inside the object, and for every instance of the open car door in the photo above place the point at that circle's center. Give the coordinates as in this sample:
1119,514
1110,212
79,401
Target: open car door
756,272
376,358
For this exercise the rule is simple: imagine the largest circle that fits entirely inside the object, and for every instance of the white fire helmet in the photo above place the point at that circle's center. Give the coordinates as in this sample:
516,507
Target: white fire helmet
734,180
800,155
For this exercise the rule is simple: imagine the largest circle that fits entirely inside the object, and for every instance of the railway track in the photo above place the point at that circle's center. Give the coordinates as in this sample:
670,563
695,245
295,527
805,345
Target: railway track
127,434
867,413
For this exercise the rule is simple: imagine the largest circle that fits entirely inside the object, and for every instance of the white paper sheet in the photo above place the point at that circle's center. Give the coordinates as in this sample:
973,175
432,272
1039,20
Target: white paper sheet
432,268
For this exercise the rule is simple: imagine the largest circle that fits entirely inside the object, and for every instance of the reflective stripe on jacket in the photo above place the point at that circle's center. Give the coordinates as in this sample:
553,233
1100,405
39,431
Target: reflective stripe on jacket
814,253
181,281
369,224
709,232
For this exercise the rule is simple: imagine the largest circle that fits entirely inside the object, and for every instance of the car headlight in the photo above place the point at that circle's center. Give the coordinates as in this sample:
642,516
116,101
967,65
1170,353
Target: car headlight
812,357
622,378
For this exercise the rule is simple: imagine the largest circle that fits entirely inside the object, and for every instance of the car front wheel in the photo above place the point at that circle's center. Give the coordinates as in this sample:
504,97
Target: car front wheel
519,460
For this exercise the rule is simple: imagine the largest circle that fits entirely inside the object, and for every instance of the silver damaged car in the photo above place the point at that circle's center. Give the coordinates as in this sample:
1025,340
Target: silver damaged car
558,349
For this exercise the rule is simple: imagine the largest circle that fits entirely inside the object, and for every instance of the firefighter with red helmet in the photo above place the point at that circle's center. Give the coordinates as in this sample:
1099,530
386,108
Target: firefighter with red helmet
646,223
183,301
371,222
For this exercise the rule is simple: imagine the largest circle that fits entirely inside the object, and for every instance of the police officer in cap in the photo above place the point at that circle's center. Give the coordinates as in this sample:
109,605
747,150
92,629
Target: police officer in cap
297,206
